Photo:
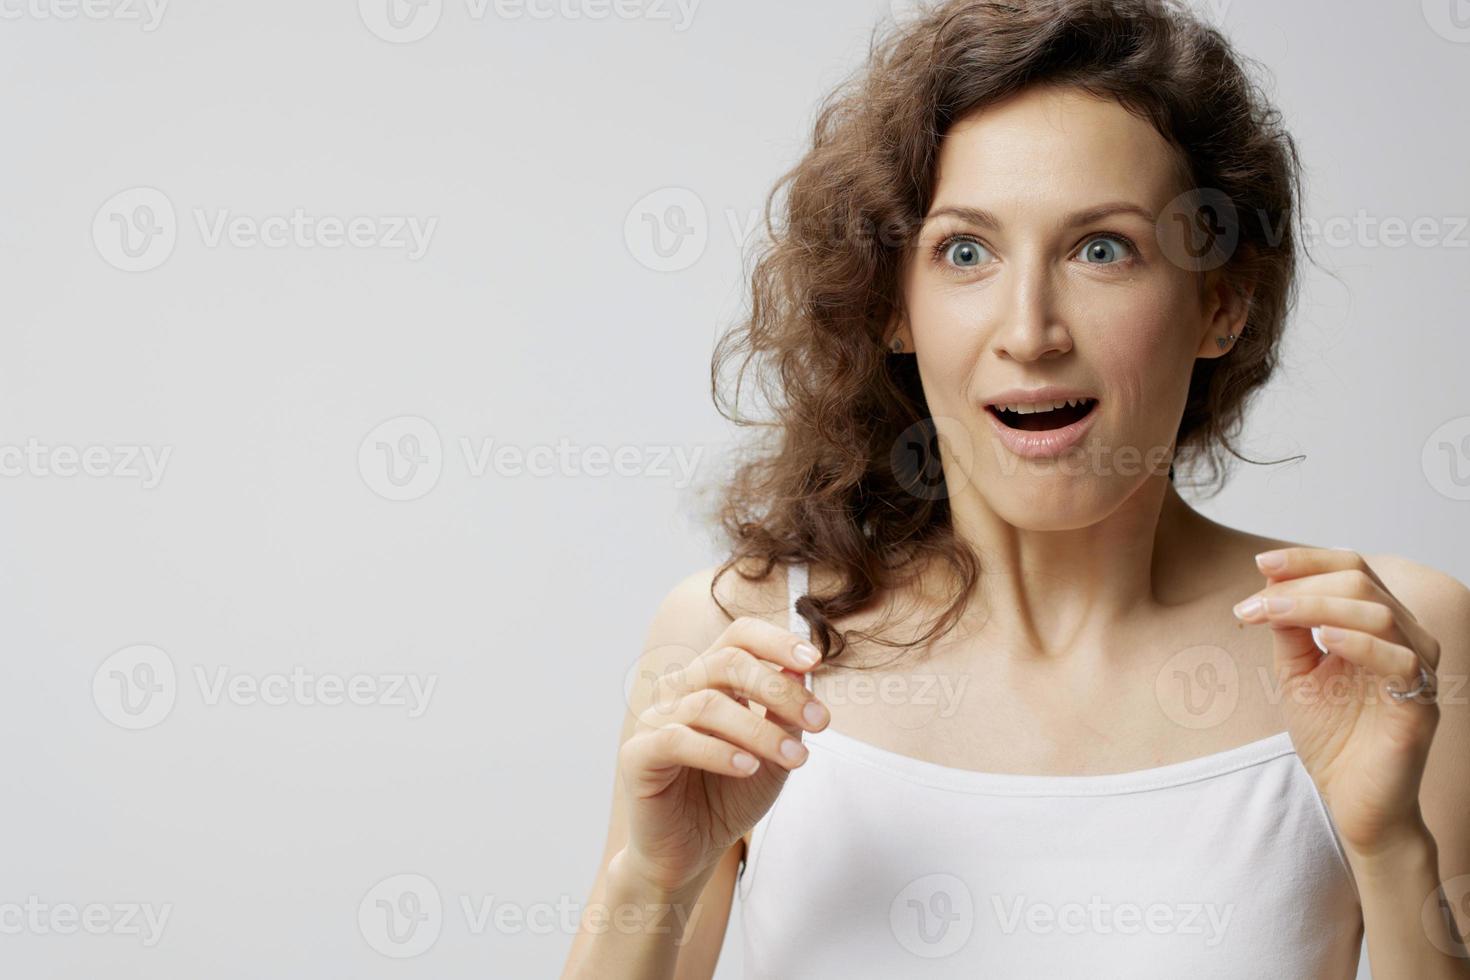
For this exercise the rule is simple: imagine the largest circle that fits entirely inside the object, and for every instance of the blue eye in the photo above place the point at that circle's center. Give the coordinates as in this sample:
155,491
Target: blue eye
1105,249
963,253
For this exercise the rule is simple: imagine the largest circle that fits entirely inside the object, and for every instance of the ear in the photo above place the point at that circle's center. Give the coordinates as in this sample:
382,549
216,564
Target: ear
898,328
1227,306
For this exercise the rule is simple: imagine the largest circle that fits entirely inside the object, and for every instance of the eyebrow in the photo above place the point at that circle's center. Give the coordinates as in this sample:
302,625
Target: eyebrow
980,216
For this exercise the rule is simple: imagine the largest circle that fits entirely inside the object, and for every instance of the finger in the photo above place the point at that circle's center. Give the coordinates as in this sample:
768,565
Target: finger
715,713
648,758
1294,563
1391,662
767,641
1313,609
1359,583
1363,615
739,673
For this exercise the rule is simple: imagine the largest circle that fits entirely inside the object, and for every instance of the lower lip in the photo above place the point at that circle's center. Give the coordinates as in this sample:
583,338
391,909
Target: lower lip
1044,443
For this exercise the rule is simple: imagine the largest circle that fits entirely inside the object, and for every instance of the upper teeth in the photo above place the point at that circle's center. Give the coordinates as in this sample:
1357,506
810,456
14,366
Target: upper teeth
1042,406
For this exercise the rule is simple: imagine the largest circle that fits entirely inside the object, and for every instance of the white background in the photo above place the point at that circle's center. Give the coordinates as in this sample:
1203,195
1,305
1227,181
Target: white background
537,316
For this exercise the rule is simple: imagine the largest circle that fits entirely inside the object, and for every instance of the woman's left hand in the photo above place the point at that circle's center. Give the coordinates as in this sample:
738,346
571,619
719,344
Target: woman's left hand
1364,750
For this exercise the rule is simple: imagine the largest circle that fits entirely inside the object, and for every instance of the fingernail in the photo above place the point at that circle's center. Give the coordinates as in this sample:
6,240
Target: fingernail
807,654
1271,561
1331,634
814,714
1248,607
792,749
744,762
1279,604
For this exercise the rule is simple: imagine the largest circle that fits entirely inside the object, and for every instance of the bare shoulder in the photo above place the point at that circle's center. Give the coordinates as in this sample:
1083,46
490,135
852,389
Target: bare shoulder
1424,580
698,608
1437,599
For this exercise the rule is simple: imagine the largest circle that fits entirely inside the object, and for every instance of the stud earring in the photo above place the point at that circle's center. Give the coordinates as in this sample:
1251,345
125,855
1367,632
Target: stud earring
1225,342
896,345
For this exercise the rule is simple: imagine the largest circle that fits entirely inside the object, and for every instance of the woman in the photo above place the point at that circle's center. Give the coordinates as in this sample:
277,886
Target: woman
1052,721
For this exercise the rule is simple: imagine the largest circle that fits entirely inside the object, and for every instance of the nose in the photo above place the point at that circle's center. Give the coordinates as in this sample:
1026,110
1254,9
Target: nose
1031,326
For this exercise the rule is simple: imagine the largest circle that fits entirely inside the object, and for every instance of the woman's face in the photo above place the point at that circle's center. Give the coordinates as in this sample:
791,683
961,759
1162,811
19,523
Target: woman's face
1013,287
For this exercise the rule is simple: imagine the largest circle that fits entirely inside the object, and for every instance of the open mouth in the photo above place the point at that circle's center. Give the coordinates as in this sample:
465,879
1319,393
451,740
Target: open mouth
1042,417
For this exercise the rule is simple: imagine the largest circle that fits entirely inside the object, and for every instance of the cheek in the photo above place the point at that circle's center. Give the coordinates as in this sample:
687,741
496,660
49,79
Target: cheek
1142,351
945,325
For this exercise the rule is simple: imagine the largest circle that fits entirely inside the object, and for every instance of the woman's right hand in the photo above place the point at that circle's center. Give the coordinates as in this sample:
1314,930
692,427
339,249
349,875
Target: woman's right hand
689,799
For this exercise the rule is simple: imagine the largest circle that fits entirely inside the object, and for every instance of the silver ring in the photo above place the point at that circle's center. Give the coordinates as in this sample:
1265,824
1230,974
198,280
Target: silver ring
1424,692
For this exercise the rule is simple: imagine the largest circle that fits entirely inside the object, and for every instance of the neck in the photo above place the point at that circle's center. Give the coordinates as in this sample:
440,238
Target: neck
1048,593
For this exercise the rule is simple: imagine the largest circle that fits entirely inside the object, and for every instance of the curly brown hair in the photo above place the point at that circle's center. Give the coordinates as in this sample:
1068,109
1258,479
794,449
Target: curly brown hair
832,483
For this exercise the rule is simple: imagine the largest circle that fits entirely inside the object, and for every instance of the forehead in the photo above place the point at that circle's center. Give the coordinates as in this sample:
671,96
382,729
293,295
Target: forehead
1053,145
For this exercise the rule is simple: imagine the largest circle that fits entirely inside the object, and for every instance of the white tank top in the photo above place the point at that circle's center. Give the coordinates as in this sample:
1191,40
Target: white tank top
872,863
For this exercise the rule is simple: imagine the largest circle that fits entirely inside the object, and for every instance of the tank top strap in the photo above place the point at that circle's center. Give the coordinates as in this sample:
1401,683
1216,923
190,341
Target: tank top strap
796,587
